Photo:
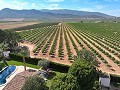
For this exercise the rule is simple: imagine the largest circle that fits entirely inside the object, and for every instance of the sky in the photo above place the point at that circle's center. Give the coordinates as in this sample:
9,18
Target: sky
111,7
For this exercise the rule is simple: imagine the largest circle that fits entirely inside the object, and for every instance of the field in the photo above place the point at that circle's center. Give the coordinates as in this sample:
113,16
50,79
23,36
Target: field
10,25
60,43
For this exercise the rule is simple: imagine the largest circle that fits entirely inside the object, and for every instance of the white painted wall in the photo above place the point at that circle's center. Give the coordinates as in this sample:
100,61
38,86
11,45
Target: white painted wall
6,54
104,81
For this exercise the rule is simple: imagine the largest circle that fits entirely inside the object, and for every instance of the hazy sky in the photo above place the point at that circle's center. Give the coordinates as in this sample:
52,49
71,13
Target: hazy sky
111,7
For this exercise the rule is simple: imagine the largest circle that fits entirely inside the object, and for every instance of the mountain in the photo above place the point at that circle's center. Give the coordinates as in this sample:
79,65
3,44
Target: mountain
51,14
78,13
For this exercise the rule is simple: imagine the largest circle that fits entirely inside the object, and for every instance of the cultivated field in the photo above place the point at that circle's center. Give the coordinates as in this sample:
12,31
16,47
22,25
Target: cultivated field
11,25
61,42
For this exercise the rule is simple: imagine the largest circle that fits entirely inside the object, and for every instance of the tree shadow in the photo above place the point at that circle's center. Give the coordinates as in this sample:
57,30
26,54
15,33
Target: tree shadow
51,75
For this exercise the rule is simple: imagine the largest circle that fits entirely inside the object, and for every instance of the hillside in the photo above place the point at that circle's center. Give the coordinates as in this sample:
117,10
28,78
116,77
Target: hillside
62,14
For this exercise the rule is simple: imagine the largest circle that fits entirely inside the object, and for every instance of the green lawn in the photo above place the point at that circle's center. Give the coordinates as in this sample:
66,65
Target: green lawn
12,62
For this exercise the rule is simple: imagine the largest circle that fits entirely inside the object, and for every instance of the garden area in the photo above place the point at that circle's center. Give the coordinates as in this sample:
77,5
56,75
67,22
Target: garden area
52,74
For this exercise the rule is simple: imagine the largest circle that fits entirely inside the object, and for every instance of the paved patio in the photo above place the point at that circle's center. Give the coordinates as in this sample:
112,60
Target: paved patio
111,88
18,81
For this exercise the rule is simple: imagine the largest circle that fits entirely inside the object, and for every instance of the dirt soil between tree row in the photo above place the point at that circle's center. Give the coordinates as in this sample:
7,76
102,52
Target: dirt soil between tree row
31,47
66,62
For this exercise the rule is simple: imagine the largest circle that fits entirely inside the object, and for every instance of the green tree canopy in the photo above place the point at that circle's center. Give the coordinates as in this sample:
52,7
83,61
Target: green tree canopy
34,83
84,72
2,36
23,53
9,37
12,38
44,64
89,56
64,82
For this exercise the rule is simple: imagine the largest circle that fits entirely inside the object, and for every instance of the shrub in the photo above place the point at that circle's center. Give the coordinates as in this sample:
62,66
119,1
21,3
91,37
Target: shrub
96,85
44,64
36,83
115,78
59,67
2,63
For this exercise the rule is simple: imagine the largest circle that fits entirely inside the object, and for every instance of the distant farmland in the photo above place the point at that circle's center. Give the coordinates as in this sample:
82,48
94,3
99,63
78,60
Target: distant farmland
60,43
11,25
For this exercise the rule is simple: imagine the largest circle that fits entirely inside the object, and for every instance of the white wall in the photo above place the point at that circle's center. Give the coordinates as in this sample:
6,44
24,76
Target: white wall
104,81
6,54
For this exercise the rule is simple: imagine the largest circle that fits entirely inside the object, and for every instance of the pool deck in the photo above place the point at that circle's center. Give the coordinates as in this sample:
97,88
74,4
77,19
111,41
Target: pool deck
16,80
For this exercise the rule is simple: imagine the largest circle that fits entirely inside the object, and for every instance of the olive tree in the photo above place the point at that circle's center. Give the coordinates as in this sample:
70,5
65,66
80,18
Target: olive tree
44,64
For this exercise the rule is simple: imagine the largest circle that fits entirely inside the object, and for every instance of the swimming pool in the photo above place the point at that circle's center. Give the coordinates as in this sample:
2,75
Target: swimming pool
5,73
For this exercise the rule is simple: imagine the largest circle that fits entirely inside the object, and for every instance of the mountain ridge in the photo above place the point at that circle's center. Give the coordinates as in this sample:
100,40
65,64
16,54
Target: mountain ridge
46,14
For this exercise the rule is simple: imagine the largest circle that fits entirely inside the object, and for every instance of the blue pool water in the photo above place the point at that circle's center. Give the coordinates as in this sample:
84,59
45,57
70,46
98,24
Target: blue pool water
5,73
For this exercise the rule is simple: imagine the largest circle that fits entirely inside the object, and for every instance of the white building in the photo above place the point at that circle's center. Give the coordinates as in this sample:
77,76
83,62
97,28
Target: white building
105,81
6,54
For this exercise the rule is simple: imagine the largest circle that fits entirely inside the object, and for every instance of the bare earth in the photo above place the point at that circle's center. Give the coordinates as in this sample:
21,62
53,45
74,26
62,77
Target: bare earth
31,47
11,25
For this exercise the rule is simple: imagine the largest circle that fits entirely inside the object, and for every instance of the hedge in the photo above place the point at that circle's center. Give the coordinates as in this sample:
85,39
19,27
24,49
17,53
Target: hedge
53,65
1,65
115,78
